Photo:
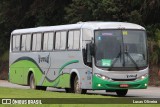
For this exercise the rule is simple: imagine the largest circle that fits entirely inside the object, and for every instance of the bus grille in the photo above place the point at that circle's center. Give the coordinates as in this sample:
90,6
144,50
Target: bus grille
123,79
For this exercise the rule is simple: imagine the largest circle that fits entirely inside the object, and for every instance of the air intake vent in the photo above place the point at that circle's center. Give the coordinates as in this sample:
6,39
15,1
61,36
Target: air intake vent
123,79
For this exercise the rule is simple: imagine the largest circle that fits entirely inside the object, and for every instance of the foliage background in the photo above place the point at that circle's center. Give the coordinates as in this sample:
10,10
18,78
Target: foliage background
17,14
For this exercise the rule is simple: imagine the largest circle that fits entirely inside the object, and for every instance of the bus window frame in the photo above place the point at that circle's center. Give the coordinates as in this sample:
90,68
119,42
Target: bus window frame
30,41
60,40
19,43
36,43
73,40
53,41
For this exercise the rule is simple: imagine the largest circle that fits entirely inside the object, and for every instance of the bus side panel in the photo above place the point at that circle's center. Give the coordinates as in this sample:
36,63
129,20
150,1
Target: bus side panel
62,81
16,75
19,71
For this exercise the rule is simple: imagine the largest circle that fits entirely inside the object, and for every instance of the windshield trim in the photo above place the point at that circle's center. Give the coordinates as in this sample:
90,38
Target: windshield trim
127,68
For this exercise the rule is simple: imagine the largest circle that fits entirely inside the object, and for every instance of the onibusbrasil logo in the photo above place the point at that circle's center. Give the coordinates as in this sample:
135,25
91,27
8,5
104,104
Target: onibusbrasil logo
21,101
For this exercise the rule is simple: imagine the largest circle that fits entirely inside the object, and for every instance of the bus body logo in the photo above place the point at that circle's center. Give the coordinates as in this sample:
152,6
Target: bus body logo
132,76
43,59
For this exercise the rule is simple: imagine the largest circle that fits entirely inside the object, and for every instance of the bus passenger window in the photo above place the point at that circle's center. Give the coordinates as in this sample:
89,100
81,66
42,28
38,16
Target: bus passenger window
28,42
45,41
16,42
70,40
63,40
23,44
36,45
34,42
48,41
58,38
74,40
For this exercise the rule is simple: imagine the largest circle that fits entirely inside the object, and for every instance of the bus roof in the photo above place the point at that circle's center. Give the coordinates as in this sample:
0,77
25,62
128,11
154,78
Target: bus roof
88,25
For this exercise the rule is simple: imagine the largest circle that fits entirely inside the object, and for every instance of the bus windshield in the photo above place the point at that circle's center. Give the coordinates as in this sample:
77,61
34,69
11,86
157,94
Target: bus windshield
120,48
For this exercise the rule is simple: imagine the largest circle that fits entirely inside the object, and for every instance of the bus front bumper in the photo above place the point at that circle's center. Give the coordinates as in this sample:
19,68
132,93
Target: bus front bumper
100,84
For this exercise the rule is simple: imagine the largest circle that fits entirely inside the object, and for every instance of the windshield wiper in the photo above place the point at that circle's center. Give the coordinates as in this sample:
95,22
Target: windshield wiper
119,54
128,54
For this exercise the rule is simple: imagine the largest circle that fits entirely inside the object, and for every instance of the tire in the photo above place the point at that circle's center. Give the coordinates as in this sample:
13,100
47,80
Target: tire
33,85
32,82
121,93
77,88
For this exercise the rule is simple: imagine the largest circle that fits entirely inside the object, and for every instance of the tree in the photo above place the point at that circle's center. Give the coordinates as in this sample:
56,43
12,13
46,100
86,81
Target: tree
17,14
151,12
88,10
155,48
50,12
12,16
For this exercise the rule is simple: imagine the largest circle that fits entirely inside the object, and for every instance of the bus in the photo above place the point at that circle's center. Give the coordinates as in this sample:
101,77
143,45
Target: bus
110,56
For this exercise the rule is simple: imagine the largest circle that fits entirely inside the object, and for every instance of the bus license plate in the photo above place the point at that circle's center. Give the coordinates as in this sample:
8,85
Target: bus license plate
124,85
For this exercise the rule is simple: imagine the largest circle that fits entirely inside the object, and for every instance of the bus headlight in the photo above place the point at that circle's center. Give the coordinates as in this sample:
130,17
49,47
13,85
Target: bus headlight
102,77
142,77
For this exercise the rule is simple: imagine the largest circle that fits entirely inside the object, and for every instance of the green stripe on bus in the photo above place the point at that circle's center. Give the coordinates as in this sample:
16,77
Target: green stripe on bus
63,66
24,64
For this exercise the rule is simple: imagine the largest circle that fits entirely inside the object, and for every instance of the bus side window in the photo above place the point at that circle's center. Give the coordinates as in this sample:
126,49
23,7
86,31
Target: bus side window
73,40
70,40
28,42
48,41
57,42
63,40
36,43
45,41
23,44
76,40
16,43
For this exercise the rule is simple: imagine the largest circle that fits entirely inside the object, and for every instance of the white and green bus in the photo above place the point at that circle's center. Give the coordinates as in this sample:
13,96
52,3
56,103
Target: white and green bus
109,56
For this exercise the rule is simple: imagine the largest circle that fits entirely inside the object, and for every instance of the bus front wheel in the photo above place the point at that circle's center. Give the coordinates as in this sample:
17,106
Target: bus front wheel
121,93
77,88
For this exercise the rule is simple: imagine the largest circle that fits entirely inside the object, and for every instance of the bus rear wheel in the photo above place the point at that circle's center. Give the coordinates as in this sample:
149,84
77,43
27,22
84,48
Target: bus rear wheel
33,84
77,88
121,93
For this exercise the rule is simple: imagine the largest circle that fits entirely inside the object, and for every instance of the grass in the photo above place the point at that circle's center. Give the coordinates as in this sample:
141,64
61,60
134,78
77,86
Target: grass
27,93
